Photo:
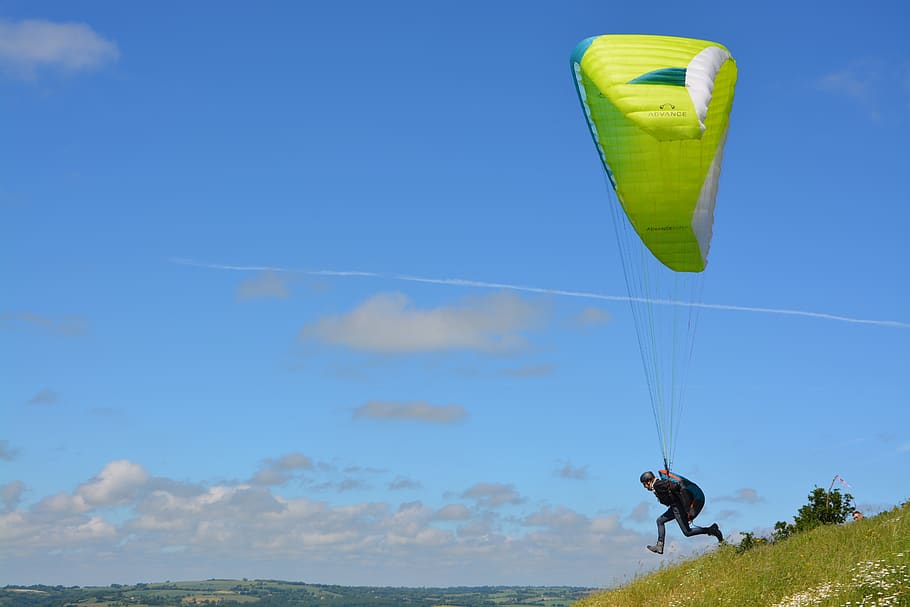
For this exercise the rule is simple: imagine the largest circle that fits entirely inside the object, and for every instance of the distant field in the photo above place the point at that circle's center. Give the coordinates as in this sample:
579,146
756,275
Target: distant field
275,593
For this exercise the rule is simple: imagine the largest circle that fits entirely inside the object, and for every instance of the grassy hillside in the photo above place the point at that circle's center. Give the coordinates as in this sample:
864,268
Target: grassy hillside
863,563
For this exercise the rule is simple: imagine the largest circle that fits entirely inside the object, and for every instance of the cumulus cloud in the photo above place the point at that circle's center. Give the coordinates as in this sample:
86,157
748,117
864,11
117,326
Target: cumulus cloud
346,484
73,326
402,484
415,411
641,512
294,461
453,512
493,495
263,286
62,504
409,526
572,472
606,524
743,496
557,518
279,471
390,323
117,482
11,495
29,45
592,317
256,530
270,476
727,515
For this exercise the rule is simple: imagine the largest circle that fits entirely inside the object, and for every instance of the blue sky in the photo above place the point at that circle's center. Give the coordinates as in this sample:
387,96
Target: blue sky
260,315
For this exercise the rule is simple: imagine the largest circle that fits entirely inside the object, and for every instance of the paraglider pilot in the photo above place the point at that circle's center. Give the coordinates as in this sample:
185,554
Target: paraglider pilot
685,500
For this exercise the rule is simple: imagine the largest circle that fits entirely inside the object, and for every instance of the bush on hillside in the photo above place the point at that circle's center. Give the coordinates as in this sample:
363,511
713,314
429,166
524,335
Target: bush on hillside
749,542
824,508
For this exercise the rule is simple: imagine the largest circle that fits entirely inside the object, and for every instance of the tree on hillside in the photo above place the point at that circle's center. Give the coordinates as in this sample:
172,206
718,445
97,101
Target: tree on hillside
824,508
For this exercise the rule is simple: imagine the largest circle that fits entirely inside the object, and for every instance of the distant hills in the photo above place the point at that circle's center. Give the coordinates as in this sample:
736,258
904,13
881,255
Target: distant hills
275,593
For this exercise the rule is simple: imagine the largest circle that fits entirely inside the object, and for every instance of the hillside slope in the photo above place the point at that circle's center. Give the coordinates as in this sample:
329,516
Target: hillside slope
865,563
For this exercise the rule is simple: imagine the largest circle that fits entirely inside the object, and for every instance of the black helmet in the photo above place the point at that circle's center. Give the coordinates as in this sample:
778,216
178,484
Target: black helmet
646,477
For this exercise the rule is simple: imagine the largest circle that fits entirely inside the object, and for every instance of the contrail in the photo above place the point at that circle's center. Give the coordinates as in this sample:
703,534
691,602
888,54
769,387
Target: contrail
461,282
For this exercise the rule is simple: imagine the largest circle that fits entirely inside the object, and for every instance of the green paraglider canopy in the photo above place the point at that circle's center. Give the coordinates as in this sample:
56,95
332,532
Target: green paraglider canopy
658,109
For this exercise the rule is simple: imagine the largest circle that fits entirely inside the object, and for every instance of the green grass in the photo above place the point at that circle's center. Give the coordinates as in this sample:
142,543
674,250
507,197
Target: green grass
864,563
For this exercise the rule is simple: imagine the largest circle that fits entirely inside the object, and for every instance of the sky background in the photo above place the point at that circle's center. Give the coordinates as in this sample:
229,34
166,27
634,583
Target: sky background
172,409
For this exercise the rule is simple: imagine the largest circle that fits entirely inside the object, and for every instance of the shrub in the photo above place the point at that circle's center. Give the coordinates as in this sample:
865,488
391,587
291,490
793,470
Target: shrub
824,508
749,542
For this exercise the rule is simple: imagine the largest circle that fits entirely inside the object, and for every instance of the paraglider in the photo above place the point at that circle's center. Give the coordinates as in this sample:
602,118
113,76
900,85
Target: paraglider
658,110
684,499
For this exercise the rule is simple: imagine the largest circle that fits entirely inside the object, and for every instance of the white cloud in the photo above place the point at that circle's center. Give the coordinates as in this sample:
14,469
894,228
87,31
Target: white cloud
62,503
23,533
453,512
280,471
605,524
400,484
14,530
641,512
347,484
493,495
162,529
294,461
744,496
11,495
410,525
416,411
116,483
389,323
26,46
573,472
95,528
593,317
557,518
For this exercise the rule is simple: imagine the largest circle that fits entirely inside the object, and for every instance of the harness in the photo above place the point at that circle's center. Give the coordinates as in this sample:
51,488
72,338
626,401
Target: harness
690,494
